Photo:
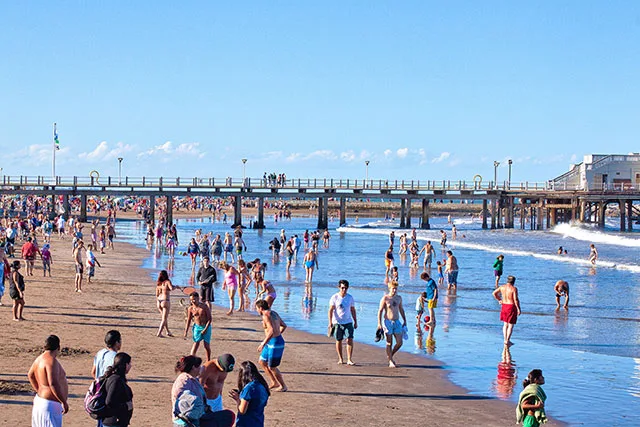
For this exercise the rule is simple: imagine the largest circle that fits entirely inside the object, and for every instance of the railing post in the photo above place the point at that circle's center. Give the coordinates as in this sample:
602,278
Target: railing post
75,181
143,181
396,184
347,182
325,183
160,181
314,182
126,180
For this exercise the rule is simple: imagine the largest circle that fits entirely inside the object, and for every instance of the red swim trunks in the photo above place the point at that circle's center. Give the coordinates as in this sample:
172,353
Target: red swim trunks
509,313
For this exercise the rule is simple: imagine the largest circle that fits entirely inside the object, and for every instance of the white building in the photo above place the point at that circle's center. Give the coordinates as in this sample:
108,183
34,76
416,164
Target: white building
602,172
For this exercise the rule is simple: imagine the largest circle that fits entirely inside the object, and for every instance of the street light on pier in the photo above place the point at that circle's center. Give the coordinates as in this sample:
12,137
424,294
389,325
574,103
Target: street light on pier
120,159
509,179
244,175
495,173
366,172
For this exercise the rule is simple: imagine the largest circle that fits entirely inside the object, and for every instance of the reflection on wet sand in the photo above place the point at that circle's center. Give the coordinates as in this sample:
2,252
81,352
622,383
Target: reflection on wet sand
507,377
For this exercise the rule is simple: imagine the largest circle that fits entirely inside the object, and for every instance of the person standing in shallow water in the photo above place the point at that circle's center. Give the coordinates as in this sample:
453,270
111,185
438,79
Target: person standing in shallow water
530,410
507,296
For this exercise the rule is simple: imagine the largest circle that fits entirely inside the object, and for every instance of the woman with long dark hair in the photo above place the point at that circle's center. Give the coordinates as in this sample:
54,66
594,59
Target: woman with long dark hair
187,380
530,409
251,396
163,301
119,397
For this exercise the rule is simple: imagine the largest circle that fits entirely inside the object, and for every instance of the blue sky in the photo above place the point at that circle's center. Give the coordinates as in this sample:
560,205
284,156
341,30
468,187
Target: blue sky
422,89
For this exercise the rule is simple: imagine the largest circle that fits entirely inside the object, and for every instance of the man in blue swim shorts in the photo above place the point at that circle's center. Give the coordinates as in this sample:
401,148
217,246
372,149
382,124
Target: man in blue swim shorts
452,271
272,347
391,307
201,316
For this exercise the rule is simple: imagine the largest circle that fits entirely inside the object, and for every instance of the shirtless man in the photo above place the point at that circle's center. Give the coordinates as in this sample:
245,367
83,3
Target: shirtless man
212,378
391,306
562,289
272,347
429,252
201,316
77,259
49,380
507,296
452,271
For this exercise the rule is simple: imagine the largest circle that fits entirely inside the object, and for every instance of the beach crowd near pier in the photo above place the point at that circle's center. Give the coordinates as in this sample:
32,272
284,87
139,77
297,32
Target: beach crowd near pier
51,243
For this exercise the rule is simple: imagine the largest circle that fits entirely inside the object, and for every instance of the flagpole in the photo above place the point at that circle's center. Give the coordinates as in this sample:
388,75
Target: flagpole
53,164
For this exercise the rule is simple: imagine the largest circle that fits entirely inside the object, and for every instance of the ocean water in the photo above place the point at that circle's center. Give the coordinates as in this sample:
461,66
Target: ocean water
590,354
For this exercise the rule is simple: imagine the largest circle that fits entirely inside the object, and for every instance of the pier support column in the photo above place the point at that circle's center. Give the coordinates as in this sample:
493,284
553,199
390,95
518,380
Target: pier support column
552,217
322,213
260,223
602,209
152,209
539,218
484,214
66,206
408,221
343,211
493,214
425,215
169,210
623,215
403,206
83,208
237,211
523,214
630,215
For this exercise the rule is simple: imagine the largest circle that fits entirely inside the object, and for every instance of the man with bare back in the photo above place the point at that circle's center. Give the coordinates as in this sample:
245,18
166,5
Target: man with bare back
391,307
201,316
49,380
507,296
212,377
77,259
452,271
272,347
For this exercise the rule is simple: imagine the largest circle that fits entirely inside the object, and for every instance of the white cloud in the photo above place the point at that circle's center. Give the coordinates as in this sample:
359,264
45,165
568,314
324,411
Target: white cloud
321,154
293,157
35,155
442,157
387,152
402,152
348,156
167,150
102,152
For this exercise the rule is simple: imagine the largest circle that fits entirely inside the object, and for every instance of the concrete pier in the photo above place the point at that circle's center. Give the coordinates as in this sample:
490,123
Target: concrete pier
343,211
237,212
260,222
425,215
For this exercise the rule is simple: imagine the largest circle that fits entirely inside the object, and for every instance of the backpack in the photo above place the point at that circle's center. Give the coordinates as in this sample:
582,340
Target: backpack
95,401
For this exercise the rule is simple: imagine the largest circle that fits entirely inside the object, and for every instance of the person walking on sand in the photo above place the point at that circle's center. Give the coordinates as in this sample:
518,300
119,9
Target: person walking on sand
272,347
230,284
206,277
310,263
201,316
562,289
29,252
343,320
118,394
530,410
104,358
593,254
77,259
498,267
452,271
49,380
92,261
432,297
163,301
16,290
390,310
507,296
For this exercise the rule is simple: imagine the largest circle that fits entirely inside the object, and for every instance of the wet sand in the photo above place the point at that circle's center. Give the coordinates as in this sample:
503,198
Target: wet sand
322,393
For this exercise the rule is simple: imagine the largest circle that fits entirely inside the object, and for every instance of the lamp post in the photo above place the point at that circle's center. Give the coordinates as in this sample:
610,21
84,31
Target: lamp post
366,172
244,175
495,173
509,179
120,159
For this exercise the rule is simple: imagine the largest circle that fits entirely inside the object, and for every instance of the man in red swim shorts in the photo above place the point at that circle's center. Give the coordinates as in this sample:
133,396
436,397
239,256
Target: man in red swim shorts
507,296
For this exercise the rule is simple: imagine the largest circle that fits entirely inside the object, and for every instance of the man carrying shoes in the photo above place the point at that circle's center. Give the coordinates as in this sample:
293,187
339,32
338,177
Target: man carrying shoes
342,320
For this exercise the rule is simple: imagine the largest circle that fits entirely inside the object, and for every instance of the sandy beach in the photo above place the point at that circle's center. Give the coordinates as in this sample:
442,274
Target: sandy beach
322,393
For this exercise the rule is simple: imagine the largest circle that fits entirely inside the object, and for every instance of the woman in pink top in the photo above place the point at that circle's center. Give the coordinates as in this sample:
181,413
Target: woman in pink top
230,284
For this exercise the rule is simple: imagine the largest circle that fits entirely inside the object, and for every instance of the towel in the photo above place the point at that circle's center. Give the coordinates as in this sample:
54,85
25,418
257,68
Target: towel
532,390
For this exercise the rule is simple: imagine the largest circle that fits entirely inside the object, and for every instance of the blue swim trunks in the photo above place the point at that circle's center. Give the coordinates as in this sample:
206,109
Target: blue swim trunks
452,277
272,352
392,327
200,334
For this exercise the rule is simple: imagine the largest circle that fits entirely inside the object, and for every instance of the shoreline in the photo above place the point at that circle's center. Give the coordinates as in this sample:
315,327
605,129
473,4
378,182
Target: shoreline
122,297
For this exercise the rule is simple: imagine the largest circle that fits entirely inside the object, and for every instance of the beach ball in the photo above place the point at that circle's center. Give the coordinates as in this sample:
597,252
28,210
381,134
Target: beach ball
427,318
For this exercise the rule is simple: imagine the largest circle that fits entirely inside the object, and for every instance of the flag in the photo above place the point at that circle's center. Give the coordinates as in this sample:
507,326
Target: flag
56,142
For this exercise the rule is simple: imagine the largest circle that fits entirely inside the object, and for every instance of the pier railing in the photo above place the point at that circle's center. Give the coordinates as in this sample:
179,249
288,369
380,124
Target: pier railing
259,183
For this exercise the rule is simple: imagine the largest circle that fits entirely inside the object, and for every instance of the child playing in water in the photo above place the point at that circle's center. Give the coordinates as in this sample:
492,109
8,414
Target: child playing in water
394,274
440,275
422,298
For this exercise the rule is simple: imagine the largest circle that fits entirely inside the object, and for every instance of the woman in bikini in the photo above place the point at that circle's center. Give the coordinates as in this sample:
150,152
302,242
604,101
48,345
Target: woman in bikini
310,263
230,284
163,301
245,281
267,292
